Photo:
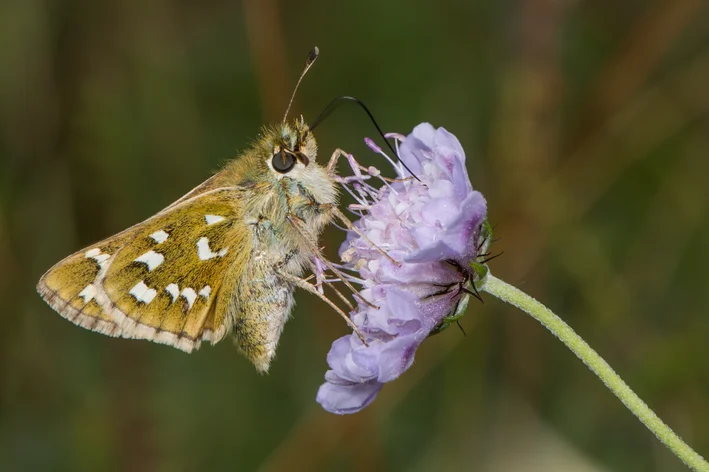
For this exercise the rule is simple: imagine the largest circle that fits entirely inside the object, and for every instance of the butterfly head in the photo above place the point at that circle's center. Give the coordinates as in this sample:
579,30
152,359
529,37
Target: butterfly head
290,148
285,158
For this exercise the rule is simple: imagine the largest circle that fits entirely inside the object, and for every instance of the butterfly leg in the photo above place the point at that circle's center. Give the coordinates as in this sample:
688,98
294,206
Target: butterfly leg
316,266
299,226
356,167
298,282
333,160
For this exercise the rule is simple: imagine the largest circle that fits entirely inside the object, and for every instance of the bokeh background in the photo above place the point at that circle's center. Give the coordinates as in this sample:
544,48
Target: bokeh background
586,125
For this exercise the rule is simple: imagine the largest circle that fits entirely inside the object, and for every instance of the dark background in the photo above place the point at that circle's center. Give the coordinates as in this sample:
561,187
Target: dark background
586,126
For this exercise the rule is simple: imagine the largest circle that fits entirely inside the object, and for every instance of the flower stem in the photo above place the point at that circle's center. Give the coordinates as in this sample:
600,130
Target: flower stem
598,366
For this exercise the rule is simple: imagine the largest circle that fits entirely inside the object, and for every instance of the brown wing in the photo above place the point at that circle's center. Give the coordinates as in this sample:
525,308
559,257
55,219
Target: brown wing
168,279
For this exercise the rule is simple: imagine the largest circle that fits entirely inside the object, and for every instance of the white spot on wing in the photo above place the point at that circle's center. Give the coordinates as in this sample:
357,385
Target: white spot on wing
101,259
143,293
190,295
173,290
212,219
205,253
97,255
159,236
88,293
206,290
152,259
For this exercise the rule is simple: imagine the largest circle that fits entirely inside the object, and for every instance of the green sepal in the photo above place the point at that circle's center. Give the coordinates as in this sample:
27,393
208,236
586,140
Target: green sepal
480,271
454,315
484,237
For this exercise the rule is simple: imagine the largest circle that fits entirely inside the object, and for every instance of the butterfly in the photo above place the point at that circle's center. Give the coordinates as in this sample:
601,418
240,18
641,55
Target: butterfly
222,260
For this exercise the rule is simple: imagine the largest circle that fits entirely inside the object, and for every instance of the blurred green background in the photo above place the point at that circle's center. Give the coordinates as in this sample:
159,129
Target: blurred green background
586,125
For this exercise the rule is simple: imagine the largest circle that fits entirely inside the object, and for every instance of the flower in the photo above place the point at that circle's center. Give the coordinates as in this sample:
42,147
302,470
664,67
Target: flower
431,228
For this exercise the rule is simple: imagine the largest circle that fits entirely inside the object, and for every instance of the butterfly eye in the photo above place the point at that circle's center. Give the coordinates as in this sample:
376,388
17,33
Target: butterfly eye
283,161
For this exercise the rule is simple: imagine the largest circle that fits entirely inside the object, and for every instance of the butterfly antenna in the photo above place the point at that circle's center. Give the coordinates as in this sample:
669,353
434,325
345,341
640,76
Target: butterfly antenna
309,61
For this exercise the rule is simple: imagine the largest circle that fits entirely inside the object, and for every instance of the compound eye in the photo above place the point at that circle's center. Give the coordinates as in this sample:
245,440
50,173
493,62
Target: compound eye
283,161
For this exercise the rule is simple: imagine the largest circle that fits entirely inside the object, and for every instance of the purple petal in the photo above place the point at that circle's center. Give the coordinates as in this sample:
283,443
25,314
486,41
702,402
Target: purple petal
397,357
440,212
346,399
443,138
425,133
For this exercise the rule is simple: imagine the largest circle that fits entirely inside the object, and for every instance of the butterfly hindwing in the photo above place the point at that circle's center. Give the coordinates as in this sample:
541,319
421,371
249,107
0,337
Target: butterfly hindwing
160,279
69,287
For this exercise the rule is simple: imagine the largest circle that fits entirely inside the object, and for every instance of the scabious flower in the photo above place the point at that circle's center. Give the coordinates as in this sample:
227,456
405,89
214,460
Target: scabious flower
432,228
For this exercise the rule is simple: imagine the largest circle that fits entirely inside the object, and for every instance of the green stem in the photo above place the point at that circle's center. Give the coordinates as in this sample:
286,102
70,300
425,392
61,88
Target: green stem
593,361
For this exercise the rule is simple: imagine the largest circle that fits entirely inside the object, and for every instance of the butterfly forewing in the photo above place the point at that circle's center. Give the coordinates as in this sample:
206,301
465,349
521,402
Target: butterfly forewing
161,279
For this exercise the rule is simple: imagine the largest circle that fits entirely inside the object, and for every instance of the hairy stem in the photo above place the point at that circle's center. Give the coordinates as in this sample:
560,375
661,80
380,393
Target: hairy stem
598,366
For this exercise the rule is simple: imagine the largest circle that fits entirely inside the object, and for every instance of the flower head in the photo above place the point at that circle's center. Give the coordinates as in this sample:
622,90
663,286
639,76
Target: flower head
431,228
